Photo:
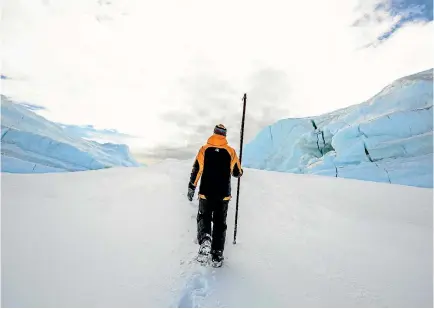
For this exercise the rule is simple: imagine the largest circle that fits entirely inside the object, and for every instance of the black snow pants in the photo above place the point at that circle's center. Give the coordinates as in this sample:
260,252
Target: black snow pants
215,211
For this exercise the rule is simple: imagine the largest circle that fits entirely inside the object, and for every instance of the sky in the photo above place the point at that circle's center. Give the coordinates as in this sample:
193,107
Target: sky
164,73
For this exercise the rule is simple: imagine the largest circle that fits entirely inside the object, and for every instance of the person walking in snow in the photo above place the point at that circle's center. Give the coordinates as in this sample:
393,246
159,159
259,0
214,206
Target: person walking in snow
214,165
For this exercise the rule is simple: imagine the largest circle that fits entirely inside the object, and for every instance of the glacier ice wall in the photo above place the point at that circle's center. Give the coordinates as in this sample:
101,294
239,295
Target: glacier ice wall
32,144
388,138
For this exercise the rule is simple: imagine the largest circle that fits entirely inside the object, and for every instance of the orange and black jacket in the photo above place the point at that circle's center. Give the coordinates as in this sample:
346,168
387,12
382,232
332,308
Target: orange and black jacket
214,165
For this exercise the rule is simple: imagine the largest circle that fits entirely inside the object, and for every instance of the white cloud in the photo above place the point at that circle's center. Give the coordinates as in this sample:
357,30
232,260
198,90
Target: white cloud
126,64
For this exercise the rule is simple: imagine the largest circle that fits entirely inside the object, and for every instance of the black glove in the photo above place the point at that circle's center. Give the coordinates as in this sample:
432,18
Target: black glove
239,174
190,193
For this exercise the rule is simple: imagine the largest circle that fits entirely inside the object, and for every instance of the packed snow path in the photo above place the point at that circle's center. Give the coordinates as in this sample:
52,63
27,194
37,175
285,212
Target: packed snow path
125,237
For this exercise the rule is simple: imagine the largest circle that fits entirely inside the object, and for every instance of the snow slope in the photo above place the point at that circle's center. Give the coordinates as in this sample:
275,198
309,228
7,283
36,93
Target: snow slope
388,138
32,144
125,238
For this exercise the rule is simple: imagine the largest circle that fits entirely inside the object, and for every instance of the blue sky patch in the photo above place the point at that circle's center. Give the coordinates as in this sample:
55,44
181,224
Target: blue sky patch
408,11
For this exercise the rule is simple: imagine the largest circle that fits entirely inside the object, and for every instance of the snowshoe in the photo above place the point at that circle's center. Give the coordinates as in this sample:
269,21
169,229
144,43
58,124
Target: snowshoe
217,259
204,251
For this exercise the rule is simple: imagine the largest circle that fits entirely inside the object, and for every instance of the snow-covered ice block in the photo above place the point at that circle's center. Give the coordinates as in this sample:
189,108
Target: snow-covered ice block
396,125
30,143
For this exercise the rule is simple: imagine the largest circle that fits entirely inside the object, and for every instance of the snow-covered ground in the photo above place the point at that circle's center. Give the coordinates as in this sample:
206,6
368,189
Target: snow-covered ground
32,144
388,138
124,237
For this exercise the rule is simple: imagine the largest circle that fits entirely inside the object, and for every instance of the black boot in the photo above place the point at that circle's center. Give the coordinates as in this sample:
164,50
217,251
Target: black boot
204,249
217,258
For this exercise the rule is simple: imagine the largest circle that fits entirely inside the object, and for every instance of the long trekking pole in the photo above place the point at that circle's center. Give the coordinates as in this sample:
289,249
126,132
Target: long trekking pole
241,156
